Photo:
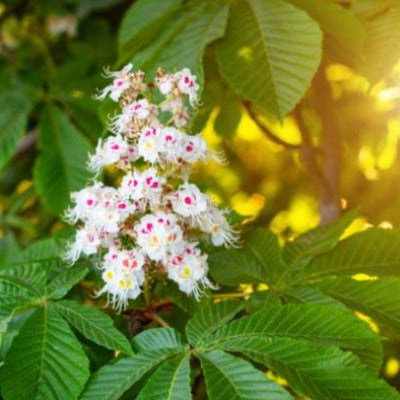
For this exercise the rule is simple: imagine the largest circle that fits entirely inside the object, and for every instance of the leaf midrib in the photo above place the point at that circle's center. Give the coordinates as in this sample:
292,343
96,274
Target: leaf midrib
267,55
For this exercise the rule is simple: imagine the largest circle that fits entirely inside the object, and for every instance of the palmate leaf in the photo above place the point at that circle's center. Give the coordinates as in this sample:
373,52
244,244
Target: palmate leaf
141,23
258,261
374,251
210,318
157,338
318,372
14,117
299,252
344,32
382,45
319,324
229,377
183,41
111,381
171,381
20,286
45,252
93,324
270,53
45,360
61,284
379,298
61,168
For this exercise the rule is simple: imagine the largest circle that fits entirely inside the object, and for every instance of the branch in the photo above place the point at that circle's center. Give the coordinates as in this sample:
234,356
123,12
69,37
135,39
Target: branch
247,105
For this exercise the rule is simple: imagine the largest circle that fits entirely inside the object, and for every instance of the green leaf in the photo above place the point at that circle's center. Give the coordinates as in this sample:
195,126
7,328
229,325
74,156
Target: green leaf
228,118
111,381
19,288
209,318
270,53
46,253
319,324
93,324
60,285
374,251
229,377
318,372
14,117
258,261
309,294
343,29
379,298
299,252
171,381
61,168
183,42
263,299
45,360
382,45
157,338
141,23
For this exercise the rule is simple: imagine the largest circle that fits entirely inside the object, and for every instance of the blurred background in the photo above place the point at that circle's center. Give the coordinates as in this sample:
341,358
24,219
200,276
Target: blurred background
338,149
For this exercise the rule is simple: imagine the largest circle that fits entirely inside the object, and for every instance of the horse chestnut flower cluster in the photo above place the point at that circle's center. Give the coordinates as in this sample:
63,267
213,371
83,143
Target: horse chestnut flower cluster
153,218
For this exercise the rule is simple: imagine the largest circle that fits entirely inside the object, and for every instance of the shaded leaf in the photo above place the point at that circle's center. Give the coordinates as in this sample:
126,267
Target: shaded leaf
171,381
142,21
229,377
14,117
157,338
318,372
111,381
258,261
209,318
379,298
270,53
61,284
93,324
319,324
45,360
374,251
61,168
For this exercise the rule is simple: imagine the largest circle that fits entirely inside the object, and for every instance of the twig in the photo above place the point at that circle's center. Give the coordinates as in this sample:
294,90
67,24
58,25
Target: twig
266,130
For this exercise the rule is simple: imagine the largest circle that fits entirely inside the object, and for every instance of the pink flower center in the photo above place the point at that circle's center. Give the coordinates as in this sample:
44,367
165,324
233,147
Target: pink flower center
115,147
149,227
89,202
168,138
187,200
122,206
189,148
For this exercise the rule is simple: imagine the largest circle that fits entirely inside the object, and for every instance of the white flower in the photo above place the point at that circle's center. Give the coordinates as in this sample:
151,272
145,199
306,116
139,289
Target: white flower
85,201
123,275
187,84
194,148
165,83
119,84
189,270
139,109
158,235
148,144
215,223
170,144
86,242
108,152
188,201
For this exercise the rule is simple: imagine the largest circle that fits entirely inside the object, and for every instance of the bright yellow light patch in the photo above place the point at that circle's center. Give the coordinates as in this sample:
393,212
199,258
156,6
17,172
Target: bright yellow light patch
246,53
364,277
368,320
392,367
